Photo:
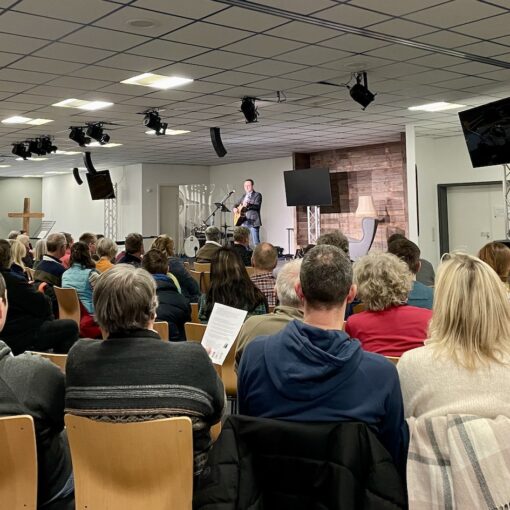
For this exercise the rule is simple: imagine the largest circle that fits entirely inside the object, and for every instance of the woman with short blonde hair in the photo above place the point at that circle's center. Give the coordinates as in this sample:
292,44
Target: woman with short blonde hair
388,326
106,249
18,252
464,366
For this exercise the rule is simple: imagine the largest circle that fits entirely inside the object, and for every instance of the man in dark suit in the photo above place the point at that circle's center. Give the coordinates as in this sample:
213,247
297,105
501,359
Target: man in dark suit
251,201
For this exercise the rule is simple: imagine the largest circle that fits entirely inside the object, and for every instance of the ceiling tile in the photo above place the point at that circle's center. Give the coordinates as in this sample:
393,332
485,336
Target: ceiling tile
303,32
45,65
45,28
446,39
186,70
19,44
397,52
71,10
136,63
299,6
246,19
104,39
352,16
194,10
437,60
268,67
78,83
313,55
167,50
465,82
401,28
234,78
8,58
263,46
206,34
223,59
396,7
485,49
105,73
73,53
490,28
24,76
354,43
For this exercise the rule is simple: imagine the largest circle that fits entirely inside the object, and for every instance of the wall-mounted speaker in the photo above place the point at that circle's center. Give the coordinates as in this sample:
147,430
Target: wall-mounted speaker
216,141
77,177
87,161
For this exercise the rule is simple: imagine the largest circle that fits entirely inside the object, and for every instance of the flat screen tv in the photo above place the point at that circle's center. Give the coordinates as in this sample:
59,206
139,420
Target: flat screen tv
308,187
487,132
100,185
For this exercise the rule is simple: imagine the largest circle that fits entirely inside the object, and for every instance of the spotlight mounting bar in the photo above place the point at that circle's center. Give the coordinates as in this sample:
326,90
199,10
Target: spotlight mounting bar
249,109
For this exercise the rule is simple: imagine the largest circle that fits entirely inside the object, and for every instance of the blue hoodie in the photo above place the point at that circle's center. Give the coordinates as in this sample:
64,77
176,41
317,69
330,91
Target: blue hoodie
304,373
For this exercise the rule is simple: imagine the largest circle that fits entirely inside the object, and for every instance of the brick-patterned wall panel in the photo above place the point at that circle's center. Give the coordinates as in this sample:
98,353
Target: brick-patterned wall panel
377,170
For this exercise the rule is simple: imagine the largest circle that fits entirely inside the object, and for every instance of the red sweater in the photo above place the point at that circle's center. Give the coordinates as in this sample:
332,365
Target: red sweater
390,332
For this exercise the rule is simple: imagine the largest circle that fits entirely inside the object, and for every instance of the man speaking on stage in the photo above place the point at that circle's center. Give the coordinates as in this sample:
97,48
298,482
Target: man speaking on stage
247,211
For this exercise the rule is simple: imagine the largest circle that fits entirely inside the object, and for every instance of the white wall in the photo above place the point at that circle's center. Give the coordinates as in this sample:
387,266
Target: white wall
442,161
268,177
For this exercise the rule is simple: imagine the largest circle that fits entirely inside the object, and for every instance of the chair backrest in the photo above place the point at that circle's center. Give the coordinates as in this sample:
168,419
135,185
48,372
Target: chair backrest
194,332
393,359
163,330
128,466
202,267
58,359
194,313
203,278
18,463
68,304
228,373
250,270
360,307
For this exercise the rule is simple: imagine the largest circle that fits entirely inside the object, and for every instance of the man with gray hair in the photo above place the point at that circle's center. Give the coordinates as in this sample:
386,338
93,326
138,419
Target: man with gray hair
289,308
335,238
312,371
211,246
264,260
157,379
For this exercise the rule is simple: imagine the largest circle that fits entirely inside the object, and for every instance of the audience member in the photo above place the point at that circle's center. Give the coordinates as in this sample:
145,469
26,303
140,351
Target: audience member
82,275
463,368
497,255
50,268
212,245
312,371
289,308
420,295
241,244
189,287
90,240
40,251
388,326
28,259
106,250
18,252
158,379
32,385
30,324
13,234
69,242
264,261
133,250
426,273
231,286
336,238
172,306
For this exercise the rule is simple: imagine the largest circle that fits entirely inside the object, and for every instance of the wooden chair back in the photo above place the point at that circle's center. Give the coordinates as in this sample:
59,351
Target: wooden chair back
18,463
250,270
270,309
360,307
162,329
393,359
194,332
68,304
202,267
194,313
203,279
58,359
128,466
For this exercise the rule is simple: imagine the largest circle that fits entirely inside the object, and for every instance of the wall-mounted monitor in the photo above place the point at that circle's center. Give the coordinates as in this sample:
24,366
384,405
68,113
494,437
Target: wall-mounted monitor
308,187
487,132
100,185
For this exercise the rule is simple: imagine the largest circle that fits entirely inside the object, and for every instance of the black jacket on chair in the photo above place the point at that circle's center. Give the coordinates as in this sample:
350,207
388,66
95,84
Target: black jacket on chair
261,464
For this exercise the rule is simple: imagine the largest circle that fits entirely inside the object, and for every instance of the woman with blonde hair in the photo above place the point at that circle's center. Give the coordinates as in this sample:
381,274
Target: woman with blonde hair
18,252
106,250
188,286
28,259
497,255
464,366
388,326
40,251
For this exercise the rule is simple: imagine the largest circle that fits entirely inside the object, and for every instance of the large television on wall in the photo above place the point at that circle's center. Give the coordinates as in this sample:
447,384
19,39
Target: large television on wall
100,185
487,133
308,187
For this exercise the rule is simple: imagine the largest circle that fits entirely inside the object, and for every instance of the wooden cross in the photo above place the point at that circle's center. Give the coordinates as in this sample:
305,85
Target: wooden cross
26,215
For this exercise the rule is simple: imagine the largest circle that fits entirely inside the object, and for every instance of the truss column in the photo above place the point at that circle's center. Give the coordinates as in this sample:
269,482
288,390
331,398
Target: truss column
313,216
110,216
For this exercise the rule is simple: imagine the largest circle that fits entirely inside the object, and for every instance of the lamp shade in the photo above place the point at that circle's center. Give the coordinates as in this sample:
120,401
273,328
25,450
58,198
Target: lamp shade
366,207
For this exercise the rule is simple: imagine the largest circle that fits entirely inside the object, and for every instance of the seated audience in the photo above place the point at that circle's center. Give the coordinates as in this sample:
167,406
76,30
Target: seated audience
18,253
67,255
50,269
388,326
189,287
231,286
82,275
312,371
212,244
133,250
420,295
28,259
30,384
106,250
90,240
241,244
264,260
40,251
497,255
172,306
158,379
289,308
30,324
336,238
463,367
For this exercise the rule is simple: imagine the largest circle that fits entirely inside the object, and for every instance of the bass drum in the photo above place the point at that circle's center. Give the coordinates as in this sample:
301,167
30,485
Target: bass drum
191,246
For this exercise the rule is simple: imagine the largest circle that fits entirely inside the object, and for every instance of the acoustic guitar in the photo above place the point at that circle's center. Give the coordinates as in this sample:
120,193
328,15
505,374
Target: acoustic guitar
240,215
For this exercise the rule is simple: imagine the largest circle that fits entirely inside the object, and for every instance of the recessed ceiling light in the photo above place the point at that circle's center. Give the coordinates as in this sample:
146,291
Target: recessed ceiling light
39,122
31,159
97,144
16,120
171,132
5,166
82,104
68,153
436,107
33,176
54,172
157,81
142,23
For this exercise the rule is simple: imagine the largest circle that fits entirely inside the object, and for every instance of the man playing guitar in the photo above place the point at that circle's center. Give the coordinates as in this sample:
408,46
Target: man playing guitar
247,211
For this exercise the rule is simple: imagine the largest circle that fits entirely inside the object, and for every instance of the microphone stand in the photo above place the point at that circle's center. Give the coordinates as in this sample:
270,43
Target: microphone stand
220,206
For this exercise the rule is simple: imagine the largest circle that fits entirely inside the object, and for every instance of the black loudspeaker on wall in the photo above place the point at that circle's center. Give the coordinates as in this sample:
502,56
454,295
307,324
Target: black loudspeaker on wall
77,177
216,141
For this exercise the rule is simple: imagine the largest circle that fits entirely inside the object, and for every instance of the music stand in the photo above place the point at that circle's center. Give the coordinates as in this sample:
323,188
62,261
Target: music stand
44,229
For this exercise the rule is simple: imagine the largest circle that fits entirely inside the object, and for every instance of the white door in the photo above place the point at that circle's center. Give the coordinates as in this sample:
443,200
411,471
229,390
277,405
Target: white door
475,216
169,213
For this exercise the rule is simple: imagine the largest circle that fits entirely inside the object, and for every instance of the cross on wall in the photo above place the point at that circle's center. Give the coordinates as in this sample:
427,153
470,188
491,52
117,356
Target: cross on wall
26,215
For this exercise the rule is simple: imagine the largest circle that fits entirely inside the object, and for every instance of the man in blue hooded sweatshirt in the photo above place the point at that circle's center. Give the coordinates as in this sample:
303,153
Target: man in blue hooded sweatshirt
312,371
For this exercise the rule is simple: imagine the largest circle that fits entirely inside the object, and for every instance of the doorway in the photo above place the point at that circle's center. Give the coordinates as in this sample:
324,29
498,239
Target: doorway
169,213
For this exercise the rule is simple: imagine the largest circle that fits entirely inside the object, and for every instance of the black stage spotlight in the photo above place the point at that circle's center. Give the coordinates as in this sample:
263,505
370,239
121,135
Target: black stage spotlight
152,120
77,135
77,178
96,132
216,141
249,109
47,145
35,147
20,149
359,92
